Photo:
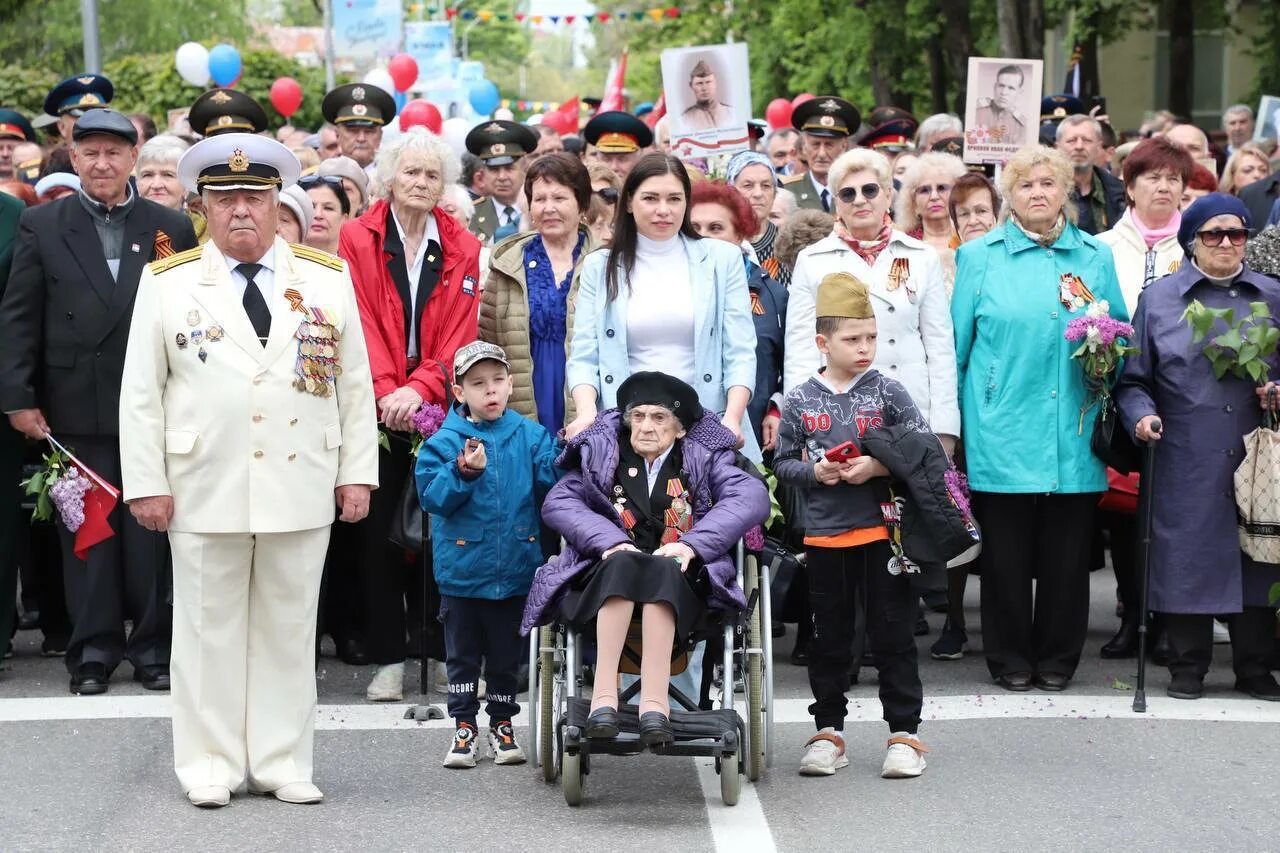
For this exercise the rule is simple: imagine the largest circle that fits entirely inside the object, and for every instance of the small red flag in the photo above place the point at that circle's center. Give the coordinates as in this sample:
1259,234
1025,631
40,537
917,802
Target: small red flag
98,504
613,99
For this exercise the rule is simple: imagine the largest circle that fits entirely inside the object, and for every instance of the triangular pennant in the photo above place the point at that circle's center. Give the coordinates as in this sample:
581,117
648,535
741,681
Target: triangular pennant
673,12
568,19
602,17
555,19
520,16
589,18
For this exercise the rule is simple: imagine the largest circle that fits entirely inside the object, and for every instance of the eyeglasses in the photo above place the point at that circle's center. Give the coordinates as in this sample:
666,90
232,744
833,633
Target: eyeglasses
315,180
1237,236
850,194
928,190
609,194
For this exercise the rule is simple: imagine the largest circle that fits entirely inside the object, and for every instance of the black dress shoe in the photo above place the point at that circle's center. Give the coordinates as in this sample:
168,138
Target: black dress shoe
602,723
152,676
1054,682
655,729
1124,644
352,652
800,657
1260,687
90,679
1018,682
1185,685
29,620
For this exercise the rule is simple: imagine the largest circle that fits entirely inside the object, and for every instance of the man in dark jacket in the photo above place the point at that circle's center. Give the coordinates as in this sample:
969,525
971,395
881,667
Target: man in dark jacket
11,447
64,323
1098,195
1259,197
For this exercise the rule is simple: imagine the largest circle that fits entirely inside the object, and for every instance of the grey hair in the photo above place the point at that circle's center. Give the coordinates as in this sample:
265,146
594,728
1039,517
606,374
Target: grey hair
1236,109
781,133
937,124
904,203
788,199
204,194
1019,167
1074,121
458,194
855,161
164,148
414,139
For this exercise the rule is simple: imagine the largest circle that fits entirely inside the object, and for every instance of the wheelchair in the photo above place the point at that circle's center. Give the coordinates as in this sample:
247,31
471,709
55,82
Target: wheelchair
558,704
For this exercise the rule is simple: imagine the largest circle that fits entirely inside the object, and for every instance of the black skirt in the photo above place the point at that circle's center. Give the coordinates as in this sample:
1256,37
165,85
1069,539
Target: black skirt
642,578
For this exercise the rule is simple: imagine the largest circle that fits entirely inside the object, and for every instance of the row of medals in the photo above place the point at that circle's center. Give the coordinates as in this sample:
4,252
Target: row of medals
317,361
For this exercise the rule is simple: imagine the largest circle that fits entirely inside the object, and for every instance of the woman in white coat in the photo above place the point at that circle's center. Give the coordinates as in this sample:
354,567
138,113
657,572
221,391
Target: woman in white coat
913,315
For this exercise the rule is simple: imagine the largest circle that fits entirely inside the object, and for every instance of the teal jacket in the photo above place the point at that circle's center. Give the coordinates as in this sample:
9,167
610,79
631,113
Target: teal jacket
485,529
1020,390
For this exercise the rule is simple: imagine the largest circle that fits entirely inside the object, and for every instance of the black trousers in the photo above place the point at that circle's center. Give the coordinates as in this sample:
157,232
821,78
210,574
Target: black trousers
836,575
476,630
11,451
1046,538
341,613
1124,559
39,553
129,576
1191,640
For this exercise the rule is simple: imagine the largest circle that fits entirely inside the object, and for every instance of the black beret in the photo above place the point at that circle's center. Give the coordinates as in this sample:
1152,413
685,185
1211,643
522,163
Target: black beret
651,388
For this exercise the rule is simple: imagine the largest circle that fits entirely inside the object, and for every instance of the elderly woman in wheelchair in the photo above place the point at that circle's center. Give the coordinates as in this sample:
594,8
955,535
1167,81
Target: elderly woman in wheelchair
652,504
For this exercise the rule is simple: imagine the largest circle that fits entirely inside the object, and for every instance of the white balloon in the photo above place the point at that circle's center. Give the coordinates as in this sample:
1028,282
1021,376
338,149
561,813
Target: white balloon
504,114
454,130
192,61
381,78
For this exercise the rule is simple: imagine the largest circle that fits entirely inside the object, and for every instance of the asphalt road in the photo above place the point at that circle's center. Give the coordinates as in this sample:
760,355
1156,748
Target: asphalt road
1073,771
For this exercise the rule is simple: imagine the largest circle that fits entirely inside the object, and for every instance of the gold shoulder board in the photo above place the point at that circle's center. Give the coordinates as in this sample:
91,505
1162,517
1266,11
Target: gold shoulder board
307,253
177,260
791,179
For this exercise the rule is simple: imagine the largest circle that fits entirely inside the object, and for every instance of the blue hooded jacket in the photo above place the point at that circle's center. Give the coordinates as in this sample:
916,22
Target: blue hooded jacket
485,529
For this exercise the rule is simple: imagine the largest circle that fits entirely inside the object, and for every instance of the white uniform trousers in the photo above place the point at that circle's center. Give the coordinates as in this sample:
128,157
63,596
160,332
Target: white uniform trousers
243,661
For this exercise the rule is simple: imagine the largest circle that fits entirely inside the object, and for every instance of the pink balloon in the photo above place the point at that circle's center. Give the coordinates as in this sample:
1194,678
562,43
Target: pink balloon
403,69
800,99
778,113
420,113
286,96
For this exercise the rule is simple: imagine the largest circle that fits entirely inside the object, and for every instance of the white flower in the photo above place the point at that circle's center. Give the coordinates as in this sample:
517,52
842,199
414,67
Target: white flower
1098,309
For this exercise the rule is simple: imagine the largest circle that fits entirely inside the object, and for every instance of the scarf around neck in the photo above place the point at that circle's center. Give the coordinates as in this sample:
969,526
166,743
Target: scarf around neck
1149,235
1046,239
868,250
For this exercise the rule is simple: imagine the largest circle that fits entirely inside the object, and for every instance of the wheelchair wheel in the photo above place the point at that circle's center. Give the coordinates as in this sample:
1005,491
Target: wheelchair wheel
755,745
571,779
730,779
548,707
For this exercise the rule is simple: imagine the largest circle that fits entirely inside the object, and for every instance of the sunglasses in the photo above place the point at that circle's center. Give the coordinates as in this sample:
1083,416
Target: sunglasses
928,190
849,194
315,180
1237,236
609,194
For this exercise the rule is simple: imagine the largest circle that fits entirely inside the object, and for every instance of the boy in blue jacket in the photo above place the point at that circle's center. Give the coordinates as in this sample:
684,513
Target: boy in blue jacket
482,477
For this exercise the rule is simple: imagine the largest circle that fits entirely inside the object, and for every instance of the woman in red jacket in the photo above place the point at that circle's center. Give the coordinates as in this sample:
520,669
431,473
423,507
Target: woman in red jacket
415,271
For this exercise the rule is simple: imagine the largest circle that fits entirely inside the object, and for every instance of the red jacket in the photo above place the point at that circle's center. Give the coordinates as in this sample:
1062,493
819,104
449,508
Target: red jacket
448,318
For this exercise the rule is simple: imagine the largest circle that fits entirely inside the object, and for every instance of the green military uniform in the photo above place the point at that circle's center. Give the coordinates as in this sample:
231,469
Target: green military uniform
807,198
498,143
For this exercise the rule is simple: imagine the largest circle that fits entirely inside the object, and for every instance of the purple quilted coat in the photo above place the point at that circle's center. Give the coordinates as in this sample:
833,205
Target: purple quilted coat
727,501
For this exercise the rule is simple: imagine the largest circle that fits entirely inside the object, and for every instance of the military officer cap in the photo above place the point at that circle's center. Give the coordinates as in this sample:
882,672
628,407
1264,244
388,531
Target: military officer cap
105,121
953,145
237,161
826,115
226,111
82,92
14,125
884,114
500,143
1058,107
358,105
893,136
616,132
842,294
757,128
651,388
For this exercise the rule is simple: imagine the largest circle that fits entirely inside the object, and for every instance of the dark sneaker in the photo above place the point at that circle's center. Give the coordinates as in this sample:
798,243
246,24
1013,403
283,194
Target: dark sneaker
502,743
950,645
462,752
1185,685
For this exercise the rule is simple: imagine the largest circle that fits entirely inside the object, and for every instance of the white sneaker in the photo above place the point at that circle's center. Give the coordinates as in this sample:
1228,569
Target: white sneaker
1221,635
462,752
823,755
503,746
387,684
905,758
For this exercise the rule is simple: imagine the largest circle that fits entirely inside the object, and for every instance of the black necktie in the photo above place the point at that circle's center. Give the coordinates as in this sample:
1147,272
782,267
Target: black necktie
826,201
254,305
510,214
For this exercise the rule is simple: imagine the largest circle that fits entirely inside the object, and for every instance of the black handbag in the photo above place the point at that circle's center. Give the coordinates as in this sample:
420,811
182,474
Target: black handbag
411,526
1110,441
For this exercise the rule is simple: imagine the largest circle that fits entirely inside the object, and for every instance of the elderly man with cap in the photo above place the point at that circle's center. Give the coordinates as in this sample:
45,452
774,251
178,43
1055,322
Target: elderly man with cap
618,138
500,145
64,323
249,409
74,96
358,112
14,129
707,111
825,123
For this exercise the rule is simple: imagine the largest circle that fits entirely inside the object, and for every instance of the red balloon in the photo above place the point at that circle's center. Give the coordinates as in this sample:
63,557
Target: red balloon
403,69
800,99
420,113
286,96
778,113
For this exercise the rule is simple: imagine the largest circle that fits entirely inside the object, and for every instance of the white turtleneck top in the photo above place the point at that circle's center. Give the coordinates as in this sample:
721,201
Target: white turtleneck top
660,310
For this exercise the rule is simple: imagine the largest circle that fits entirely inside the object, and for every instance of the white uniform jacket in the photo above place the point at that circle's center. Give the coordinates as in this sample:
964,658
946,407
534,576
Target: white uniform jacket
239,448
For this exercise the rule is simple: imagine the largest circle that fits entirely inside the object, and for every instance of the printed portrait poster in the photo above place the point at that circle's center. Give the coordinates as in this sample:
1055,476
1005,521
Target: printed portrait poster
708,93
1267,123
1002,108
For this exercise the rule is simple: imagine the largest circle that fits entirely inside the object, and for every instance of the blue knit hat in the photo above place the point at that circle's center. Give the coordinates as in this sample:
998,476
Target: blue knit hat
1202,210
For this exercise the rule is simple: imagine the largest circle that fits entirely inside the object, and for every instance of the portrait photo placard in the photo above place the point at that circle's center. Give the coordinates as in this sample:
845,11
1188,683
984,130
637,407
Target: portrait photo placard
1002,108
708,94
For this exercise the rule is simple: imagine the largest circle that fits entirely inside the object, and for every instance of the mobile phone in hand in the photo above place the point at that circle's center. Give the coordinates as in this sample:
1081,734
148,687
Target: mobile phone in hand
471,445
843,452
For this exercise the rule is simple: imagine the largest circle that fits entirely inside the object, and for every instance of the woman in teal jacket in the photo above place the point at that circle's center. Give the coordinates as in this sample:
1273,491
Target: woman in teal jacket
1035,481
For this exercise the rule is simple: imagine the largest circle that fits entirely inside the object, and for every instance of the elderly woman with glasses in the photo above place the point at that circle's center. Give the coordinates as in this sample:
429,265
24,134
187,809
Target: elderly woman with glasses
1197,568
921,206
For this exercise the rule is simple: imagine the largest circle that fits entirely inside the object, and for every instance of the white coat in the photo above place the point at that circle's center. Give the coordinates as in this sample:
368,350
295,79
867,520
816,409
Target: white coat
915,344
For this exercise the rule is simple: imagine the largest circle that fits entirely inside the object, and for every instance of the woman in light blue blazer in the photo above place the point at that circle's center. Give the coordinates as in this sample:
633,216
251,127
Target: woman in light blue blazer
661,298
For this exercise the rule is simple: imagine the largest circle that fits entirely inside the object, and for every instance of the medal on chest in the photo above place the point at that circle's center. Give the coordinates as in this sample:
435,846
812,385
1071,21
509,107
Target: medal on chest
317,364
677,518
625,515
1073,293
899,275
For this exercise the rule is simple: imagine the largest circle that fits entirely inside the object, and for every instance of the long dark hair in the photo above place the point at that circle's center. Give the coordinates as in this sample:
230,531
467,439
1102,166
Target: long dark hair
622,250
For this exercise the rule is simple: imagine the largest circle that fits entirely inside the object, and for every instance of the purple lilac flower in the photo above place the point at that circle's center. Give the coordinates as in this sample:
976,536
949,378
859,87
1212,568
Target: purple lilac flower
1108,328
68,493
427,419
958,487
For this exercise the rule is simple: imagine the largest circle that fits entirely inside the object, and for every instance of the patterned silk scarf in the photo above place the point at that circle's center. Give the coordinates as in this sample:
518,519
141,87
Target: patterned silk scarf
868,250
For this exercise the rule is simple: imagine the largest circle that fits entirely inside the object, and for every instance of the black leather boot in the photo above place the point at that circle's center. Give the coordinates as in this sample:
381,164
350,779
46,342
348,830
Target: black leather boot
1124,644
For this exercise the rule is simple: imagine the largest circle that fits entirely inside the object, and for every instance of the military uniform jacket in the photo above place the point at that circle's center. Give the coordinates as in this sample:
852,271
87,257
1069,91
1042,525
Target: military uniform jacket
228,435
485,220
801,186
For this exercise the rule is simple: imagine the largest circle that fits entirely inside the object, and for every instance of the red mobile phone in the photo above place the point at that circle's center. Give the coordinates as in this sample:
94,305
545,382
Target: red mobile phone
843,452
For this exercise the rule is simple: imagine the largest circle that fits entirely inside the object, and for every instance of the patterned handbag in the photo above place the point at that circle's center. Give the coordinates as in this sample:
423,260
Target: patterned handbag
1258,491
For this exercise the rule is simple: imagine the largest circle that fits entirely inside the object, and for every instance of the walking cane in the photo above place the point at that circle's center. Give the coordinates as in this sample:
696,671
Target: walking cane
425,710
1146,495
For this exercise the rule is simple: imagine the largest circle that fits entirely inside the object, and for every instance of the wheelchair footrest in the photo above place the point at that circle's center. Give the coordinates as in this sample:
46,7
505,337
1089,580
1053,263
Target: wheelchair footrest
687,725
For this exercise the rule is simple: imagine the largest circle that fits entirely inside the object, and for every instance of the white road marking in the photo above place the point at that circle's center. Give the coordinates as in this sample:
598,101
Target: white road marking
364,716
734,829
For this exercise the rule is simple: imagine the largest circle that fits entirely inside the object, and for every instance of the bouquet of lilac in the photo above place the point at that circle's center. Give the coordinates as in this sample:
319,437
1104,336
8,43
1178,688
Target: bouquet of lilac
426,421
58,486
68,496
1103,342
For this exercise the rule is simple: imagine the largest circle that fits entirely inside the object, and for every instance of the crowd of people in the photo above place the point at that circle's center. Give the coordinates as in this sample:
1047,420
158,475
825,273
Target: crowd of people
581,355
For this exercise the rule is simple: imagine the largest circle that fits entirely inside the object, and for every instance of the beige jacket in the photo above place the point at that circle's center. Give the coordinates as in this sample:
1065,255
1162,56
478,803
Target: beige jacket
504,315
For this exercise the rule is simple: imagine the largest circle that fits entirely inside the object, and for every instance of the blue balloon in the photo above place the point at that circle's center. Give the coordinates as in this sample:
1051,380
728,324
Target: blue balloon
483,96
224,64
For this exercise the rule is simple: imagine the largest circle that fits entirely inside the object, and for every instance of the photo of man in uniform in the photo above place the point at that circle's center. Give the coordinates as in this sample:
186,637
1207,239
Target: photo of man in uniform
707,112
999,114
